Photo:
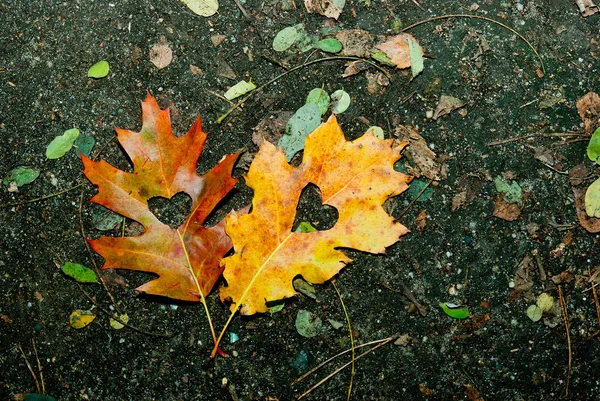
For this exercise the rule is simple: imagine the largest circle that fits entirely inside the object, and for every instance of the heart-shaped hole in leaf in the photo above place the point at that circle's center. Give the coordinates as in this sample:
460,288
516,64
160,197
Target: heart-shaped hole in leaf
312,210
171,212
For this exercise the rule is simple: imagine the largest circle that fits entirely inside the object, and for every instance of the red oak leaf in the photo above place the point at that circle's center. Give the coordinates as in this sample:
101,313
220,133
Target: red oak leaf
185,259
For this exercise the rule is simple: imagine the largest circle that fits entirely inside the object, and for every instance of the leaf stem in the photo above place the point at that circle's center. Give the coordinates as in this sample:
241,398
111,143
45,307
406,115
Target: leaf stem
200,292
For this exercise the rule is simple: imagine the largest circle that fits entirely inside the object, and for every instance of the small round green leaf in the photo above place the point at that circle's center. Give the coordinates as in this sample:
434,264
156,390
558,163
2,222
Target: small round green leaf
319,97
534,312
79,272
329,45
592,199
377,132
302,123
21,176
285,39
593,149
455,311
99,70
204,8
62,144
307,324
85,143
340,101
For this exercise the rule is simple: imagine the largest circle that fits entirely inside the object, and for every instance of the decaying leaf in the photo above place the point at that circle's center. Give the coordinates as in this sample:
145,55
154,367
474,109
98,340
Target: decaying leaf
578,174
354,177
161,54
446,105
469,186
185,259
586,7
421,221
588,108
523,278
356,42
327,8
271,127
397,49
506,211
420,154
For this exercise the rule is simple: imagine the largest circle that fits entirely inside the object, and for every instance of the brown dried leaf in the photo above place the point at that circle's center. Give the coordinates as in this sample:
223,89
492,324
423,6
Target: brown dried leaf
161,54
355,42
327,8
354,67
418,151
373,86
586,7
271,127
506,211
421,221
591,224
446,105
396,48
524,274
589,111
469,186
578,174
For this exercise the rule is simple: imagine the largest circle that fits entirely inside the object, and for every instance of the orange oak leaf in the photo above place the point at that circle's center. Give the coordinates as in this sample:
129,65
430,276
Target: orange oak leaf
185,259
354,177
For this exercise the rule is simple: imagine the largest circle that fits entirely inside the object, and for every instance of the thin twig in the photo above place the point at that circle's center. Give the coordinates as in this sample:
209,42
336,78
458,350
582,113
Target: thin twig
342,367
484,19
319,366
118,318
595,294
237,3
563,307
89,249
37,358
37,384
418,5
525,137
351,339
415,199
263,86
41,198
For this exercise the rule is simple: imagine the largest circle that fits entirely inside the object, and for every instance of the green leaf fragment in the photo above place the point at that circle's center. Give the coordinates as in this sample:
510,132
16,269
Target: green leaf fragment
307,324
319,97
593,148
534,312
305,227
85,143
99,70
335,324
278,307
79,272
377,132
545,301
21,176
285,39
302,123
304,287
416,58
204,8
239,89
592,199
382,58
38,397
62,144
340,101
455,311
512,192
329,45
